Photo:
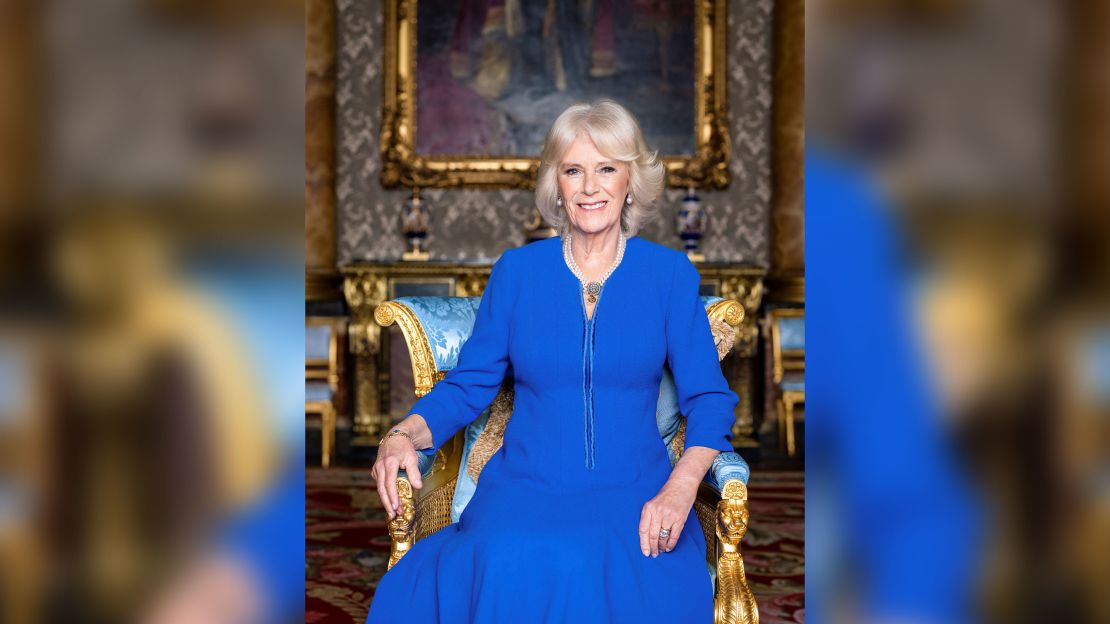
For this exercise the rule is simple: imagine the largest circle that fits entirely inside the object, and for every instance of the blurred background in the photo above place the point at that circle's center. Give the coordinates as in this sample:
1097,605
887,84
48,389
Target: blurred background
152,180
151,189
977,130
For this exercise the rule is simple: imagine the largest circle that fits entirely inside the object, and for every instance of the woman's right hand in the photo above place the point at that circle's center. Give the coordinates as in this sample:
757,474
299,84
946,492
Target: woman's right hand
394,454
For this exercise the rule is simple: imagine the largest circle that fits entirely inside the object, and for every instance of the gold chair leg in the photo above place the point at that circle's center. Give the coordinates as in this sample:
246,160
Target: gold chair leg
791,447
780,412
735,603
400,527
327,436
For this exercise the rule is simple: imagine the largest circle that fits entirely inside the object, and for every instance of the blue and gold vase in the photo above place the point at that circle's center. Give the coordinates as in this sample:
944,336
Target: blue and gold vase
415,223
690,224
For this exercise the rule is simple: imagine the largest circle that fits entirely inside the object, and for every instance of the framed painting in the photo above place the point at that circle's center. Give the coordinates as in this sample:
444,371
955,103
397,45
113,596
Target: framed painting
471,86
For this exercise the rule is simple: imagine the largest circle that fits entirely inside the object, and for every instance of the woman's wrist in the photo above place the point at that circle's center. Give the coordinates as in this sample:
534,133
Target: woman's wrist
685,481
397,432
417,428
692,466
414,428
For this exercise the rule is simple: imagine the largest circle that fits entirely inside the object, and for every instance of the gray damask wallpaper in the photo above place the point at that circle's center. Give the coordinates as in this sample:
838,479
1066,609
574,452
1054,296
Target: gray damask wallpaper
480,224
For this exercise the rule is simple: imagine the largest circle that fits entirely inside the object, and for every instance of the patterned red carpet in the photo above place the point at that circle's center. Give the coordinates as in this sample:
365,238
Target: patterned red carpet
347,545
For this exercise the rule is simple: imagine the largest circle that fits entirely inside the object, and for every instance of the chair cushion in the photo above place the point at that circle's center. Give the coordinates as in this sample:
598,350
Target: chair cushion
317,342
317,391
794,382
447,321
465,484
792,333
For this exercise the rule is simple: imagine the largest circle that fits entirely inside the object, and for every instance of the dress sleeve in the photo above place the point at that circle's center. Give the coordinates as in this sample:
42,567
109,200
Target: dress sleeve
703,394
471,386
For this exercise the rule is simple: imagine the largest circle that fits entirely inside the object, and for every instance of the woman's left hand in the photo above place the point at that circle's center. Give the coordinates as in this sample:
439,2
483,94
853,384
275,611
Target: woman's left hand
668,510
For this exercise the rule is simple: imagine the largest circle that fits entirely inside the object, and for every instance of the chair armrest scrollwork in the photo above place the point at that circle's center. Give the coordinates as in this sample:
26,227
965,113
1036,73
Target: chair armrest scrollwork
424,371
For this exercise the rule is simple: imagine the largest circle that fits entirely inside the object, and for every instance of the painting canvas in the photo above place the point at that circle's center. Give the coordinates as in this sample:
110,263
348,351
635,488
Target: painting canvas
471,86
491,75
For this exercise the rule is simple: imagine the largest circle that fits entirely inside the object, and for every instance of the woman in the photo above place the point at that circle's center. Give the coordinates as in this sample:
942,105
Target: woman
579,516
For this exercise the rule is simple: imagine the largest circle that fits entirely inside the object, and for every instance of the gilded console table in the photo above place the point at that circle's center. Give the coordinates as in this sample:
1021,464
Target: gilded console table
366,285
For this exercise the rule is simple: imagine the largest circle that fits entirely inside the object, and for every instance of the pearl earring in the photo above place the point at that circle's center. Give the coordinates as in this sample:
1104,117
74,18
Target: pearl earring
558,200
628,199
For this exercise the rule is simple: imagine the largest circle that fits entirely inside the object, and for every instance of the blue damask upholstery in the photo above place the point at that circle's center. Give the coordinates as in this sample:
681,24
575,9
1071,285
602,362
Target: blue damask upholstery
792,330
448,321
465,485
725,467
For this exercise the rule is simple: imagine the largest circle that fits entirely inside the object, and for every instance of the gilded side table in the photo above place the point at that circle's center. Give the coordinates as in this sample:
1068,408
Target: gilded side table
365,286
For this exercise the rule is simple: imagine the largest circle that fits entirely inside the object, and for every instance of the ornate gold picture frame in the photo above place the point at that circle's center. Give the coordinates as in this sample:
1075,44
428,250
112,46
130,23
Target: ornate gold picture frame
402,166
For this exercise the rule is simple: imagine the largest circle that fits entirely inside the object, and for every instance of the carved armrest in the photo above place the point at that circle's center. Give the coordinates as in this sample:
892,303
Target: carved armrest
733,599
426,510
420,515
727,467
401,535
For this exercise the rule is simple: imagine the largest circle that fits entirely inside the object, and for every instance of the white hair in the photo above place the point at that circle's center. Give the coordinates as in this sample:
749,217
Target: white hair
617,135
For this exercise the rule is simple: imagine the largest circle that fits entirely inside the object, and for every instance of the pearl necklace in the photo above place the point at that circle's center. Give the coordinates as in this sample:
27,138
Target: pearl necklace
592,289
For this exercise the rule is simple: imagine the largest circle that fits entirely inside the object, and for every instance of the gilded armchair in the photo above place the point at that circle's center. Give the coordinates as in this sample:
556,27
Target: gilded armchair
451,476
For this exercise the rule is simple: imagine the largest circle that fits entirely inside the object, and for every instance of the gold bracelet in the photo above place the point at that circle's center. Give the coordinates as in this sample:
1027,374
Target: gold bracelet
397,432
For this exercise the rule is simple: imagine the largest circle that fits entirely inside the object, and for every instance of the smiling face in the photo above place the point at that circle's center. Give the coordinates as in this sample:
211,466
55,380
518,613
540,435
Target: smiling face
593,187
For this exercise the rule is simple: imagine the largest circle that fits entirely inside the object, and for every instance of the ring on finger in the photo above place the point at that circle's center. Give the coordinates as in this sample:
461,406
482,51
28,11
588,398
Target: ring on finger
664,533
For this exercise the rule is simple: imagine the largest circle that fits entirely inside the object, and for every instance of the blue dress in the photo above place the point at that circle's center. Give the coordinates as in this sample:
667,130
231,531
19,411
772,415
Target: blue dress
551,534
